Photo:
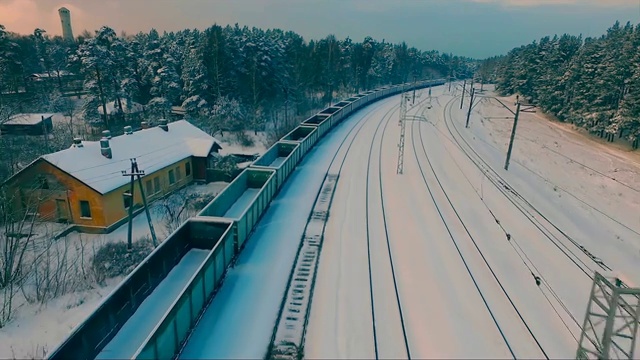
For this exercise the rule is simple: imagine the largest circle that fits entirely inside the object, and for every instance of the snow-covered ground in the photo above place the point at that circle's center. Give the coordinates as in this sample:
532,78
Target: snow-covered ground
465,253
240,320
230,144
36,327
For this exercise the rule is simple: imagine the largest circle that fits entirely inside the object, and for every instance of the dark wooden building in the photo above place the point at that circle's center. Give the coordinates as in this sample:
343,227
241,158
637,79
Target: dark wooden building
28,124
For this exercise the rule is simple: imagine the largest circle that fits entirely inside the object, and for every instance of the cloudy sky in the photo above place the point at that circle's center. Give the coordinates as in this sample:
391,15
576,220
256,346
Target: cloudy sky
476,28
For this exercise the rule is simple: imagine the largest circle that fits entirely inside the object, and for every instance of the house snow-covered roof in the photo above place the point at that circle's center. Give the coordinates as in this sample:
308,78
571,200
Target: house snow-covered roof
27,119
153,149
129,107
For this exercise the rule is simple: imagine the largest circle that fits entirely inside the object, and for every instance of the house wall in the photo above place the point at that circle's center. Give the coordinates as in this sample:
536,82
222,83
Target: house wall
62,187
114,200
106,210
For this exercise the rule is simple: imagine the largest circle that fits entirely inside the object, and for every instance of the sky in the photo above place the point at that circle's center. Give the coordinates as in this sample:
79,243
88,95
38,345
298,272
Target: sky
474,28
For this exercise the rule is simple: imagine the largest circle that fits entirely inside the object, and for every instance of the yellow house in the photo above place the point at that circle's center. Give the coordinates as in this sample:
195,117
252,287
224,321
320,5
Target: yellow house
84,184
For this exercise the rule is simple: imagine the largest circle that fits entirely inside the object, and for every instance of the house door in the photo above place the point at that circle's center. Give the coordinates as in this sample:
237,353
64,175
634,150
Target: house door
62,210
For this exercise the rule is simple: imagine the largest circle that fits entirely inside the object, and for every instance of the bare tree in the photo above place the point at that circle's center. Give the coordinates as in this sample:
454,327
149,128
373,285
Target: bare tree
180,206
66,106
174,210
16,235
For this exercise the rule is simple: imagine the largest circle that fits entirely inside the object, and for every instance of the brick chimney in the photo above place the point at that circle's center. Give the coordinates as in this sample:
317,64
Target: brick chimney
77,142
144,125
162,124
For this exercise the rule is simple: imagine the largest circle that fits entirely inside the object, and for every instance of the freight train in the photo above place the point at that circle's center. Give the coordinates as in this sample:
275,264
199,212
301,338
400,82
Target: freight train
220,230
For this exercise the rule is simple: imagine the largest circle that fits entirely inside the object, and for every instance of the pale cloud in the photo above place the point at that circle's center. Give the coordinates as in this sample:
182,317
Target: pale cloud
14,15
529,3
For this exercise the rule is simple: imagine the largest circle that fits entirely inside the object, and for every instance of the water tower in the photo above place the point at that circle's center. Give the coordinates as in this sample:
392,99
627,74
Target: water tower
65,18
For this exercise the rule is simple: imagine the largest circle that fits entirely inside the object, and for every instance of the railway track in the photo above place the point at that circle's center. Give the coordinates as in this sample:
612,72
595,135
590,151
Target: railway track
471,237
289,333
541,222
369,193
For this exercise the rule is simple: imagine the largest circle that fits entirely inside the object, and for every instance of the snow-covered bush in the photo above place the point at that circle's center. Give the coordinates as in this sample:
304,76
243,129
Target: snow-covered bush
114,259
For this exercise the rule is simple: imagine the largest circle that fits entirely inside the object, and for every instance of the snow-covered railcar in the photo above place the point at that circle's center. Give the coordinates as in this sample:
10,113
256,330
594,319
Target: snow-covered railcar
345,105
171,331
282,157
305,135
367,99
358,103
322,122
244,201
117,312
335,112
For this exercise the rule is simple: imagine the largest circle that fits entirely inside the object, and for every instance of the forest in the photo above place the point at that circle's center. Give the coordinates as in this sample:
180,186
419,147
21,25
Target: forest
593,83
229,78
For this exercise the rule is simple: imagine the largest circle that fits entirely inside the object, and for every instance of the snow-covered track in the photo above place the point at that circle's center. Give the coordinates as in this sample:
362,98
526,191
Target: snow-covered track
524,206
287,341
473,240
453,239
370,178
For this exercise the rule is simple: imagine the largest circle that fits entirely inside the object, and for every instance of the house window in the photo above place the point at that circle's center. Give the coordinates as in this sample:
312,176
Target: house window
44,184
85,209
149,186
156,184
178,174
187,169
172,177
127,200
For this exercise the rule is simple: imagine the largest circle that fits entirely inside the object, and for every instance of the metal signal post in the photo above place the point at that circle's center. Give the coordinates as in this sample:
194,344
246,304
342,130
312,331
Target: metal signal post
610,328
404,98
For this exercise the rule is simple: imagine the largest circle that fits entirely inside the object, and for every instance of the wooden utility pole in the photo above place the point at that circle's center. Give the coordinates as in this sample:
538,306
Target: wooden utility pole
414,91
464,88
473,92
136,173
131,193
513,136
144,202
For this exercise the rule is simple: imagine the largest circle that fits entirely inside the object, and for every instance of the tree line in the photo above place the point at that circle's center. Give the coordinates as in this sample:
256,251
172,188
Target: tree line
593,83
231,77
226,78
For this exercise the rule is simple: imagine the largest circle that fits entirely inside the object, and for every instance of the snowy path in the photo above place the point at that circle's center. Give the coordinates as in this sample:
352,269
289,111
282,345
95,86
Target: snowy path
138,327
241,318
465,290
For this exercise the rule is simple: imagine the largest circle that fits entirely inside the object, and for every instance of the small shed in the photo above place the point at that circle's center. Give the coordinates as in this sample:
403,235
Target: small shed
28,124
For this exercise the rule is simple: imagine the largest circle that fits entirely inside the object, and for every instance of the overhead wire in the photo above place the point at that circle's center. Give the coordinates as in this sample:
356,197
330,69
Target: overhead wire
539,278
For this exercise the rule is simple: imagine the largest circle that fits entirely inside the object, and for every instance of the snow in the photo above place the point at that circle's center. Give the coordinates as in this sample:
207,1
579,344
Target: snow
445,315
278,161
153,148
143,321
128,107
241,318
231,145
292,320
36,327
240,206
27,119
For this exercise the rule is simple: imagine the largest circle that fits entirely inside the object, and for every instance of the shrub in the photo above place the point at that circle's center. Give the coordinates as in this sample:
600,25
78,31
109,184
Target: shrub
114,259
